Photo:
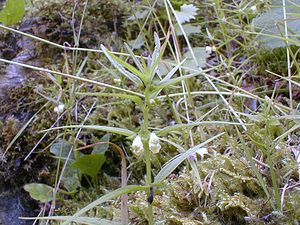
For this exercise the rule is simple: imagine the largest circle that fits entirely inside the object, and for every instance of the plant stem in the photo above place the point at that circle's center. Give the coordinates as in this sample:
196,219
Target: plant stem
145,133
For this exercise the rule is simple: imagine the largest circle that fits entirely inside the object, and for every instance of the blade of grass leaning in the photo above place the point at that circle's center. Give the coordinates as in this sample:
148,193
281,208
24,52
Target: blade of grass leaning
115,130
105,198
70,76
80,220
258,175
169,129
172,164
274,179
120,65
22,130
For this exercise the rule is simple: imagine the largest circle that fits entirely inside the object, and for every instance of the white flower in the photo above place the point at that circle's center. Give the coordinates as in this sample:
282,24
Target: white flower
137,146
253,8
59,109
209,49
117,81
154,145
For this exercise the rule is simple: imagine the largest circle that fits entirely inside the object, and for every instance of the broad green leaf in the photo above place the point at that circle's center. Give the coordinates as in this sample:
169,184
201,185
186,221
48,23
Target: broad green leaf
172,164
40,192
61,148
121,65
188,29
71,177
269,22
103,147
115,130
137,43
78,220
186,13
12,12
90,164
201,56
133,98
105,198
139,15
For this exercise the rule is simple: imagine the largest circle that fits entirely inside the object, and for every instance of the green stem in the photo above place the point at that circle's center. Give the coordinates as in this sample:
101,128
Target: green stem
145,133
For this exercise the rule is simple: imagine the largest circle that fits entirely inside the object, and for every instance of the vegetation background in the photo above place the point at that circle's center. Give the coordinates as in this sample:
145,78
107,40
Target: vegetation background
149,112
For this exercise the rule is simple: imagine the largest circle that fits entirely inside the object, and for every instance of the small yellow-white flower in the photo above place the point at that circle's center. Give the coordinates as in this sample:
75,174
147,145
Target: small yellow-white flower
154,145
59,109
137,146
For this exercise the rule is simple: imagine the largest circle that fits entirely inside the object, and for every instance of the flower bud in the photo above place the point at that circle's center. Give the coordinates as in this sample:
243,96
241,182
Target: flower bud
137,146
154,145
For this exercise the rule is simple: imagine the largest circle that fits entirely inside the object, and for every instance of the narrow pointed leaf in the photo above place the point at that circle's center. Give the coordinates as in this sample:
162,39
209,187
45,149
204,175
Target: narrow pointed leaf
177,127
166,83
120,64
172,164
135,59
133,98
105,198
172,72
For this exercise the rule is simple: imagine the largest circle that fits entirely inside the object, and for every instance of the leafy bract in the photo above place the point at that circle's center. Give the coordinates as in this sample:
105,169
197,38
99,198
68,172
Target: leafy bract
12,12
271,21
40,192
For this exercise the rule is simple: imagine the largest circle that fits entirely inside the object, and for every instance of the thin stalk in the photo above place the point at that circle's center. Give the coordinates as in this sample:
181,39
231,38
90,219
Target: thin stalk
145,133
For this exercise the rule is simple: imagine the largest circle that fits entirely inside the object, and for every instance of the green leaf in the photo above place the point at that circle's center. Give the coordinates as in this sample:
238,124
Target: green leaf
40,192
177,127
186,13
107,197
269,22
103,147
133,98
71,177
188,29
172,164
12,12
61,148
165,83
201,56
115,130
137,43
90,164
120,65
